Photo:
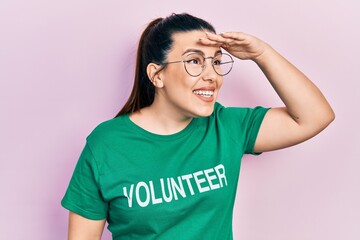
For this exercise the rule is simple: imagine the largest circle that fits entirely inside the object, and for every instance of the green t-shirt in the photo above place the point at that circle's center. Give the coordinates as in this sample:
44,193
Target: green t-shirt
179,186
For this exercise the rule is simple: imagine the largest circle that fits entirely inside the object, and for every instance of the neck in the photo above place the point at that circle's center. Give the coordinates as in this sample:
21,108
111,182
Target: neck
160,120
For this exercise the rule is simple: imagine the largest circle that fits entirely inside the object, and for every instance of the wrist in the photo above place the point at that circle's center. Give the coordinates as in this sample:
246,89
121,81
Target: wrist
266,52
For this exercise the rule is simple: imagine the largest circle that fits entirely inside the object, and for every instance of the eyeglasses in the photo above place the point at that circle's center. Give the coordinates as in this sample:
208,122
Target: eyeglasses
195,63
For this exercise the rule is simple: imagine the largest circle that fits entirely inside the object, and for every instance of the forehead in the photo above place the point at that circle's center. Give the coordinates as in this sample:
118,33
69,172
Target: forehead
183,41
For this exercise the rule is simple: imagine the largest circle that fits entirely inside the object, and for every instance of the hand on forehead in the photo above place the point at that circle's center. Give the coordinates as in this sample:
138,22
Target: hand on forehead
184,42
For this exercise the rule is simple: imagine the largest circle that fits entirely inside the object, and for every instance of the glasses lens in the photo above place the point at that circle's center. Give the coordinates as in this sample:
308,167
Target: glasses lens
194,64
223,64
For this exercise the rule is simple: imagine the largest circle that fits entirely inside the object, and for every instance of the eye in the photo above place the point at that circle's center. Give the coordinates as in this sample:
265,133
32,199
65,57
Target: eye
217,61
194,61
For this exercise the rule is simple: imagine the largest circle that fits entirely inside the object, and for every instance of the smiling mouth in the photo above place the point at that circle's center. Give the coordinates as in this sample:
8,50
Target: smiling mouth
204,93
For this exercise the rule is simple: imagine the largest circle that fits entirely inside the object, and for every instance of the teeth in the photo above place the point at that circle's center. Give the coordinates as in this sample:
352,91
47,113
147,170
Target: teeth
204,93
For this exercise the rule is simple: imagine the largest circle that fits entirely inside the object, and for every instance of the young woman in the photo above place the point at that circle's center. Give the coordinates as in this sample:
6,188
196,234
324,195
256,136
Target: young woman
167,166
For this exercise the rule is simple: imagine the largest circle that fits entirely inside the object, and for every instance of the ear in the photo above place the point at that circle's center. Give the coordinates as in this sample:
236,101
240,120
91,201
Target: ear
153,74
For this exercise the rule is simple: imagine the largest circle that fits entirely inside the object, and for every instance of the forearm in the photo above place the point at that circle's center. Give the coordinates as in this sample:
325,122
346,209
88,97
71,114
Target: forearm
303,100
82,228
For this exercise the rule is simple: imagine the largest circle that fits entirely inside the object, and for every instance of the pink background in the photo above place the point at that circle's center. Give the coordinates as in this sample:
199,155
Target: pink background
65,66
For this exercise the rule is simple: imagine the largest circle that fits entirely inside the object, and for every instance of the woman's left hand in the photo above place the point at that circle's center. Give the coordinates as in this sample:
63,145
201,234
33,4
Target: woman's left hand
238,44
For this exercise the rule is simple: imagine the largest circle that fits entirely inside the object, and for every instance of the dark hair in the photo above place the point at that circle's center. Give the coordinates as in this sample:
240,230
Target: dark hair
154,44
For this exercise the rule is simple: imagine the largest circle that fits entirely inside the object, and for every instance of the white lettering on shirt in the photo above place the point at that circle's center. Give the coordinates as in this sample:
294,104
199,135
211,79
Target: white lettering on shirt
130,194
200,180
148,192
177,188
211,178
220,171
166,198
187,179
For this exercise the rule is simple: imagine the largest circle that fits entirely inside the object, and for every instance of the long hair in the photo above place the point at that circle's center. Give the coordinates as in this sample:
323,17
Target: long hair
154,44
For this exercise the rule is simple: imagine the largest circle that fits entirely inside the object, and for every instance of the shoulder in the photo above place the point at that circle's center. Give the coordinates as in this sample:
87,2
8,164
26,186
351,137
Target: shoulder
237,113
108,130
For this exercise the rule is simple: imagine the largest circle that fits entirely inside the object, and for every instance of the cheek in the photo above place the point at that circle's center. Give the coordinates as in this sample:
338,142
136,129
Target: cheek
181,80
179,84
219,83
175,75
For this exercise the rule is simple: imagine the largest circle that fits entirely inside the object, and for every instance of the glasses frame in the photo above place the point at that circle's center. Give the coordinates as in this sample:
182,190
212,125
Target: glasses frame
204,65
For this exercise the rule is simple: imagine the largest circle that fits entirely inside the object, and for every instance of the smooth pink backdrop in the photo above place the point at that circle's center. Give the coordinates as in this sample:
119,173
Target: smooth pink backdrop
65,66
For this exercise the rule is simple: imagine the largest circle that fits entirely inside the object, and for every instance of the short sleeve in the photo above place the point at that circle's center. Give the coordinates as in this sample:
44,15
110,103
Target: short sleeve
83,195
253,123
243,124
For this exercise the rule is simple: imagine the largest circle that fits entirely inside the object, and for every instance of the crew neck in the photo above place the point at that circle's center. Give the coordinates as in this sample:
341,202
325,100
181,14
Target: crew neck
184,132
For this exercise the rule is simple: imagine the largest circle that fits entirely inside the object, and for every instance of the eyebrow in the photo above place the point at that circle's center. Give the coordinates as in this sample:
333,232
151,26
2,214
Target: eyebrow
194,50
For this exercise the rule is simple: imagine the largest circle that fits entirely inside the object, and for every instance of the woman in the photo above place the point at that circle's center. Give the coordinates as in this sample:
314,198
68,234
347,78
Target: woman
167,166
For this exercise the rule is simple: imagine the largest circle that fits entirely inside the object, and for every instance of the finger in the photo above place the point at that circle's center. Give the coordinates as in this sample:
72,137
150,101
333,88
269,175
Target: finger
208,42
234,35
216,38
233,41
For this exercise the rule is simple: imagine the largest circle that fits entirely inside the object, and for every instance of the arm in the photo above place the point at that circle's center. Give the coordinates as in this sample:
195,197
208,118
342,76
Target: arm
306,113
81,228
306,110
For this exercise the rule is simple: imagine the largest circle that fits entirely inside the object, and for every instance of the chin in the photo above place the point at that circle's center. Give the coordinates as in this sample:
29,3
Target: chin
205,112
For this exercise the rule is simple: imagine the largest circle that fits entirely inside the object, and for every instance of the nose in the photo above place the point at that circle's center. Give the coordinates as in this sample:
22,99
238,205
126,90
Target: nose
209,73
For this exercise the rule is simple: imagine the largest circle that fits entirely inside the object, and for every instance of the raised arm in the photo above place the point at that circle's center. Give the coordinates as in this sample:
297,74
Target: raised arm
306,110
81,228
